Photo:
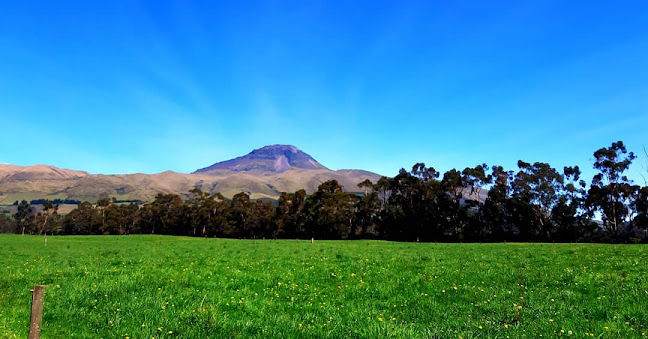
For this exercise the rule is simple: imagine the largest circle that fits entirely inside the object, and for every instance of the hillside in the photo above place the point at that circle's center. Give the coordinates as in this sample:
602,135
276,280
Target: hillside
263,173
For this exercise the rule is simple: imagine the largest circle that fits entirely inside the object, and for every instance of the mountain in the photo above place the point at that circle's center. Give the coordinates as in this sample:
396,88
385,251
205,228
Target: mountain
275,158
12,172
263,173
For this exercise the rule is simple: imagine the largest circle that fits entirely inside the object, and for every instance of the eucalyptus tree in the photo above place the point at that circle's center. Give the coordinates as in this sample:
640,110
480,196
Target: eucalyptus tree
496,216
23,216
567,215
640,205
85,219
242,215
200,211
265,212
289,217
611,190
412,206
452,214
476,179
369,209
535,192
119,218
164,215
331,212
47,220
7,224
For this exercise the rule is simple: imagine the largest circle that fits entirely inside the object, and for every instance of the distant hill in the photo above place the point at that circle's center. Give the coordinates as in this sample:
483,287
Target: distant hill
263,173
275,158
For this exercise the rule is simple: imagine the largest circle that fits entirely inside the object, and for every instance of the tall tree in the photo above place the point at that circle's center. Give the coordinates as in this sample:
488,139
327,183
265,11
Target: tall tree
201,207
331,212
496,216
535,190
85,219
476,179
7,225
453,215
242,215
265,212
640,205
48,219
102,205
369,209
412,204
567,214
118,218
289,217
165,215
611,190
24,216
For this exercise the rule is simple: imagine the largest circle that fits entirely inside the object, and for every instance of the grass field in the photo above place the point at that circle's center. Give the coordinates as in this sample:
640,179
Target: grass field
164,287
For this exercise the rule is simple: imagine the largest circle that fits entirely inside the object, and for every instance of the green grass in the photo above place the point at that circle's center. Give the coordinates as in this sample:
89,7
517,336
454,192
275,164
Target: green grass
145,286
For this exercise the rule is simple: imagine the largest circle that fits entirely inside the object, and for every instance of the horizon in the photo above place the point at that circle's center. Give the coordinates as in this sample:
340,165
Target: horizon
148,87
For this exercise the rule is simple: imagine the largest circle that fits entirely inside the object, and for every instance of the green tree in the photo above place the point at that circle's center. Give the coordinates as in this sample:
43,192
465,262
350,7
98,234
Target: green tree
289,217
412,205
640,205
102,205
535,194
611,190
201,209
118,218
47,220
453,215
85,219
496,215
7,225
265,215
330,212
475,179
567,216
24,216
242,215
165,215
369,208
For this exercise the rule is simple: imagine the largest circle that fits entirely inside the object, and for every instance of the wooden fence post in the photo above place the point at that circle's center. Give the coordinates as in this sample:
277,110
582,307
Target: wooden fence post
36,312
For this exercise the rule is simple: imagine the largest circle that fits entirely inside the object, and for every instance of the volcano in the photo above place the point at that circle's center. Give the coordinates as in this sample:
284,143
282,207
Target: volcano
274,158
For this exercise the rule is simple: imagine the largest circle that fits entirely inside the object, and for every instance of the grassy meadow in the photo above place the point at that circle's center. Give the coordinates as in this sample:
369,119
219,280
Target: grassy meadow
167,287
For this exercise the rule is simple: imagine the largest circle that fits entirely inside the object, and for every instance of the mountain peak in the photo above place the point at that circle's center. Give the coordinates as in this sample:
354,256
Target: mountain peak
278,148
272,158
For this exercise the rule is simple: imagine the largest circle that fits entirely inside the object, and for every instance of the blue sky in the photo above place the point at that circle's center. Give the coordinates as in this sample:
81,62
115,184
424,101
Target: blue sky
132,86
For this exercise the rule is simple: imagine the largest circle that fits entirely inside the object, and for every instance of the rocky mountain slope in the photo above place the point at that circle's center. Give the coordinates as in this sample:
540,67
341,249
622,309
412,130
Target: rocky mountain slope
275,158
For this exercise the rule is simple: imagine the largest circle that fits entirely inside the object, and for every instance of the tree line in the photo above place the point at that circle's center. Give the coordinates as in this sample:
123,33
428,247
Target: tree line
483,203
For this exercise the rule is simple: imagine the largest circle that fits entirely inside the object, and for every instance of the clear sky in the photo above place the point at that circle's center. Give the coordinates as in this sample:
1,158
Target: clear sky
135,86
